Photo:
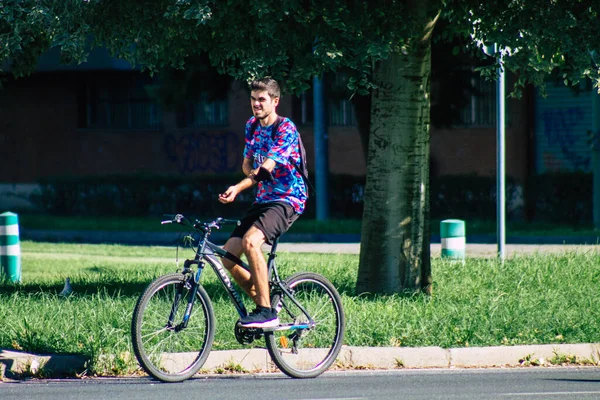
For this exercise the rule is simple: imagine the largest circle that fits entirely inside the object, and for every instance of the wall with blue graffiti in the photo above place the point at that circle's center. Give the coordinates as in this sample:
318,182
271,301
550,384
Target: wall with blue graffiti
563,129
204,151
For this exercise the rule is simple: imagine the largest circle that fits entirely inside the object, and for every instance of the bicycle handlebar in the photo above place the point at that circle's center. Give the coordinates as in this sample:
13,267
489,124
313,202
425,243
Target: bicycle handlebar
198,225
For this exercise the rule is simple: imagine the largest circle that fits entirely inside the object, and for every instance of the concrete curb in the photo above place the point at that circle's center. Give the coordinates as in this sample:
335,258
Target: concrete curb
14,364
518,355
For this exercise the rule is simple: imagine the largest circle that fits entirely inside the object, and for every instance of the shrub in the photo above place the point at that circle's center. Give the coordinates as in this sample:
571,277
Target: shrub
552,197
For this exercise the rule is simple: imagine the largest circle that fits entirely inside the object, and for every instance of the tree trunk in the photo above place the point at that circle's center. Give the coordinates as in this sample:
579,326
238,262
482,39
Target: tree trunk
395,254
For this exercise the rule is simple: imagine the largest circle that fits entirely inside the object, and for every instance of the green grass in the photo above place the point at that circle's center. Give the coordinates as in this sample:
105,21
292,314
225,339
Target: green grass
527,300
302,225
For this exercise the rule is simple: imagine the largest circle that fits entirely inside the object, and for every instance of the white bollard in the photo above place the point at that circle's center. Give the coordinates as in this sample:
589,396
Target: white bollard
10,248
452,234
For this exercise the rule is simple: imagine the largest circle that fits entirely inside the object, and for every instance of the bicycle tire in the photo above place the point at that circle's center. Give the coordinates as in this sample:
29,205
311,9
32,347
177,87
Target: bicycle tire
315,349
168,353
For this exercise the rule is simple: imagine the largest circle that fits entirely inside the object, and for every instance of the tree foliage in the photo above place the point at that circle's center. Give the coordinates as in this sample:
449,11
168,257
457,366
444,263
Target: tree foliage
384,46
535,37
296,39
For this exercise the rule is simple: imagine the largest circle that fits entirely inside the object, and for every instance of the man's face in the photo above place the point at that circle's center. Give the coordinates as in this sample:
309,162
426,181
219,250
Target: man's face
262,104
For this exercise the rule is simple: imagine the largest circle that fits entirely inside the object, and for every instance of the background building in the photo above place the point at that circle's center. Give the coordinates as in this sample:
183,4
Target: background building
99,119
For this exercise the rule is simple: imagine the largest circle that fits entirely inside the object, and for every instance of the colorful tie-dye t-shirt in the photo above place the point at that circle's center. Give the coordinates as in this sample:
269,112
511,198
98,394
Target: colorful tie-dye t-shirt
287,184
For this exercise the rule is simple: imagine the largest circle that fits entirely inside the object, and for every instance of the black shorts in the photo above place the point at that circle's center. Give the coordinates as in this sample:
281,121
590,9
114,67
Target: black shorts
273,219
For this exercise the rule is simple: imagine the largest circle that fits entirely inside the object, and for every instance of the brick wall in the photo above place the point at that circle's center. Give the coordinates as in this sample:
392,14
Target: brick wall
39,138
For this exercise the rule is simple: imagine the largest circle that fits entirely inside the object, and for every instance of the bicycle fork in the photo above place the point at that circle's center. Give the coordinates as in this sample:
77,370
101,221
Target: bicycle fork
191,298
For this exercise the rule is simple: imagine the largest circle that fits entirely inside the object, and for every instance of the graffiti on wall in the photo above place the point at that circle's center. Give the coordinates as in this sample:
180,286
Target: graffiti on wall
565,139
197,152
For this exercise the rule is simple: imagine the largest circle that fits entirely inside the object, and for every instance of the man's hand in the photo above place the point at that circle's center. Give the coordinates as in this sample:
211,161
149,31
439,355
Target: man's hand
229,195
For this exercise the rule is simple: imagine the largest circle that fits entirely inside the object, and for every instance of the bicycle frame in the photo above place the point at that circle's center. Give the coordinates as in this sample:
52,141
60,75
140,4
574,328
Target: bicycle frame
209,251
157,339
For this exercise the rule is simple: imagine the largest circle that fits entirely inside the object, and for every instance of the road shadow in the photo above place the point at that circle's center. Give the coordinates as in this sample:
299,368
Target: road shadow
20,365
575,380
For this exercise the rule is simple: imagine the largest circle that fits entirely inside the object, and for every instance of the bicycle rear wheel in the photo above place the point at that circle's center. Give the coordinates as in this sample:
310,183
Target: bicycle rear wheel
165,349
299,350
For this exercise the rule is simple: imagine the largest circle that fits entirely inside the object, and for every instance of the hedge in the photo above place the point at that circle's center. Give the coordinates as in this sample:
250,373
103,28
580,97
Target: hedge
552,197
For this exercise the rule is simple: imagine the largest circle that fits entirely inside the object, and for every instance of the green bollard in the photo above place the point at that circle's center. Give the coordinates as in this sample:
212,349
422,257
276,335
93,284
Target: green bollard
10,249
452,234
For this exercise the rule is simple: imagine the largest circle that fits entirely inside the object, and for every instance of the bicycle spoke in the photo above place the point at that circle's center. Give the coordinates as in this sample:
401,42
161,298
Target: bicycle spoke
155,333
320,310
164,351
304,353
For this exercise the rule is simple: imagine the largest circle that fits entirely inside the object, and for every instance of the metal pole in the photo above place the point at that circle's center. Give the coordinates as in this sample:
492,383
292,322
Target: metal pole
500,171
321,151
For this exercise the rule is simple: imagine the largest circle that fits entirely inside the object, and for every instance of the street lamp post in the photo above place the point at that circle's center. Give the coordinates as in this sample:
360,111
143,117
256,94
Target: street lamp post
500,153
321,151
500,158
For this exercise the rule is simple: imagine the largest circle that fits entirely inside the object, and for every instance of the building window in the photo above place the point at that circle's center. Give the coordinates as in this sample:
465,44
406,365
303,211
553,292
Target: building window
117,101
203,112
339,109
341,112
462,98
302,108
481,107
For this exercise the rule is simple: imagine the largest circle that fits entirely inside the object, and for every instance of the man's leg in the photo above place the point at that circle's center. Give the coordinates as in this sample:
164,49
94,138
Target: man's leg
239,274
263,316
252,248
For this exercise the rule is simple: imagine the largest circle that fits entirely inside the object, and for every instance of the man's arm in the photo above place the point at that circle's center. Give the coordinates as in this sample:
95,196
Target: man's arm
268,164
232,191
247,166
230,194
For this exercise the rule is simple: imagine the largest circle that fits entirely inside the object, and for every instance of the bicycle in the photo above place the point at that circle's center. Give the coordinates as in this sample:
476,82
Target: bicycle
173,322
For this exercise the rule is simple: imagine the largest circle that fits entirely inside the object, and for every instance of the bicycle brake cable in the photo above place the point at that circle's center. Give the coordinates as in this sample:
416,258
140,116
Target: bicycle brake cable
177,250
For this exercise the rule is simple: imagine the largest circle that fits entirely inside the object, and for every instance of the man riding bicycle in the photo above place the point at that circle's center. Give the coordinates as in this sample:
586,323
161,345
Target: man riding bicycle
281,195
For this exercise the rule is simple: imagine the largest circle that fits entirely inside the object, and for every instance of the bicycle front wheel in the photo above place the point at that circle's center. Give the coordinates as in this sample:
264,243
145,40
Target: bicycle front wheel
297,348
168,348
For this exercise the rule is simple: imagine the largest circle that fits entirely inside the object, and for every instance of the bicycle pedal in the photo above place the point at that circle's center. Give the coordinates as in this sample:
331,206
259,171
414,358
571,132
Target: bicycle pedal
239,326
246,335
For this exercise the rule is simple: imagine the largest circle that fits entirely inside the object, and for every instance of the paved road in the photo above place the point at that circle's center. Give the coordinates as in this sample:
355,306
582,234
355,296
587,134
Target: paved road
523,383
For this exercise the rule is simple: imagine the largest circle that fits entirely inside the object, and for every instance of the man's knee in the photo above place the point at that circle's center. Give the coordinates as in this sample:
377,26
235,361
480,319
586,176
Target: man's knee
253,239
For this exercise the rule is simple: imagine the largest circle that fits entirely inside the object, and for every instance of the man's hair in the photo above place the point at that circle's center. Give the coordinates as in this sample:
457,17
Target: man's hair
268,84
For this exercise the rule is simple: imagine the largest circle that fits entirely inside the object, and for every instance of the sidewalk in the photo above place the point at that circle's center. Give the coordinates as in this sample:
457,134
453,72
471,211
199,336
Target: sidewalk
472,249
17,364
477,245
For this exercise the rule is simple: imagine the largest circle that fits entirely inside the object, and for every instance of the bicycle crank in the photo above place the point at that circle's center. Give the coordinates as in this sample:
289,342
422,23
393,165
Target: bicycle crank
246,335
